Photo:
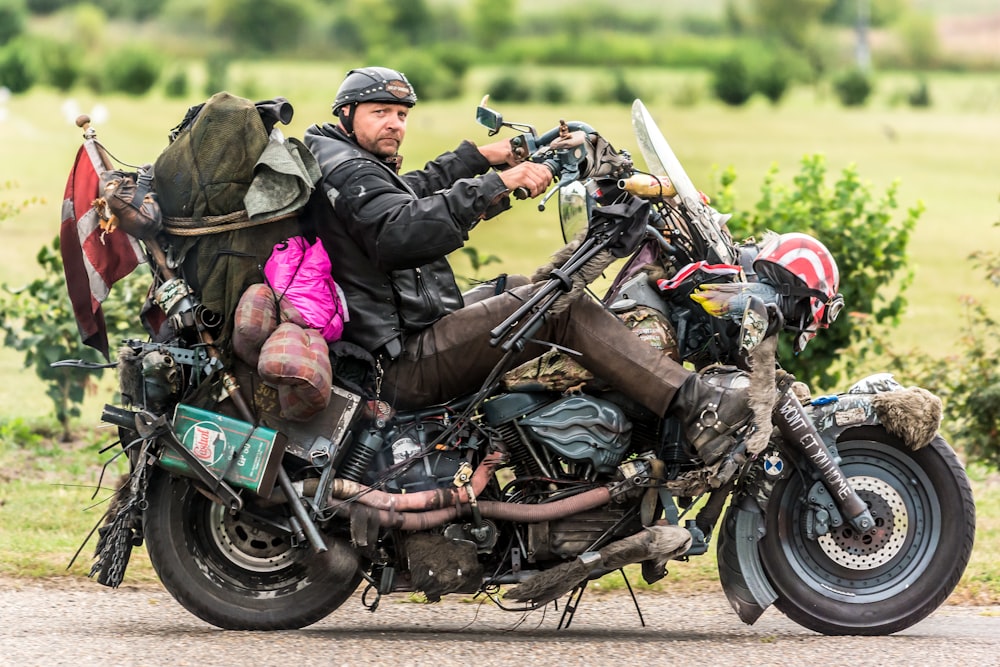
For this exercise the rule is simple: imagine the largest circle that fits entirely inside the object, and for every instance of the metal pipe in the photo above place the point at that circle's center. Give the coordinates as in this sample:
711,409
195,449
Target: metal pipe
345,489
299,510
492,509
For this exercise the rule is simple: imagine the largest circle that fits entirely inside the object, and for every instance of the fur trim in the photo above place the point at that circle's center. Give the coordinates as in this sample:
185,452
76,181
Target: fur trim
130,380
587,274
912,414
802,392
558,259
762,395
656,543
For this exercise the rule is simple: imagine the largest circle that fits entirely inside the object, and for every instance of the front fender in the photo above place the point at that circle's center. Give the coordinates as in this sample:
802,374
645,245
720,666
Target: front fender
740,570
834,415
912,414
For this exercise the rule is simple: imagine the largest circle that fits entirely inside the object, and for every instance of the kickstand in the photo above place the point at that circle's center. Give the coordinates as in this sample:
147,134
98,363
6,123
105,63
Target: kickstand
571,605
628,585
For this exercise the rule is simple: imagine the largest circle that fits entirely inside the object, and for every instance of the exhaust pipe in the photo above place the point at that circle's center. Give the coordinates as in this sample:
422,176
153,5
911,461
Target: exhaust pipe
489,509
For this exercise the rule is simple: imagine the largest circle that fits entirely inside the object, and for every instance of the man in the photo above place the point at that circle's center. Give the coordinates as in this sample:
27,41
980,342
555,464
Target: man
388,236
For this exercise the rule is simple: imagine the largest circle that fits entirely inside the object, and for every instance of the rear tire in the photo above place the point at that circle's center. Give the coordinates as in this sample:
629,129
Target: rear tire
845,583
235,574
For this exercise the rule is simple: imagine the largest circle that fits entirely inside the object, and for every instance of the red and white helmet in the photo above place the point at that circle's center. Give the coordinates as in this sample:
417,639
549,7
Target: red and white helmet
806,277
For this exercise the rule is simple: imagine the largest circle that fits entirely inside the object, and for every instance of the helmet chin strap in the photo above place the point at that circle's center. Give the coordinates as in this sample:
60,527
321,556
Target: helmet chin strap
347,120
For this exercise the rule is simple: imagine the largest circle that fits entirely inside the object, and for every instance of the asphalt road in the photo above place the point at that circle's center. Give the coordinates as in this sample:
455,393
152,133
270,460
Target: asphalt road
86,624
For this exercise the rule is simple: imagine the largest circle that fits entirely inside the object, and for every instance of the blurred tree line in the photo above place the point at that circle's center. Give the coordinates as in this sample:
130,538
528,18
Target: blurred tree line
750,46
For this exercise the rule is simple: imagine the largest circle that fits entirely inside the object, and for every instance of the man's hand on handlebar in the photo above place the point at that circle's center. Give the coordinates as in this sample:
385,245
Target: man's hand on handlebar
531,176
501,154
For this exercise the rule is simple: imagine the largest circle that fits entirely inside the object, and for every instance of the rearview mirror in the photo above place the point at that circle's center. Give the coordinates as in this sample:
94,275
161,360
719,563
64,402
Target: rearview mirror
488,118
573,209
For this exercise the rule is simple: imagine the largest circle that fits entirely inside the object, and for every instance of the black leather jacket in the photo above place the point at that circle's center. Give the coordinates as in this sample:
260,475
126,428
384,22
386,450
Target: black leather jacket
388,235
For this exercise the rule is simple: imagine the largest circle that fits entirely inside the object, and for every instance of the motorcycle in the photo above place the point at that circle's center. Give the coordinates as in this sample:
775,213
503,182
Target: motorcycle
847,512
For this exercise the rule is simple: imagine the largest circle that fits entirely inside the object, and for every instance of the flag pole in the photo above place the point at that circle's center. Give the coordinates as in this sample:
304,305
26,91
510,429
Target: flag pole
90,134
229,381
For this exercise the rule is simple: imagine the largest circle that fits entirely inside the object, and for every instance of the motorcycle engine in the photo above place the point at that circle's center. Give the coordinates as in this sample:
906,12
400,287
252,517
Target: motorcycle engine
402,460
578,429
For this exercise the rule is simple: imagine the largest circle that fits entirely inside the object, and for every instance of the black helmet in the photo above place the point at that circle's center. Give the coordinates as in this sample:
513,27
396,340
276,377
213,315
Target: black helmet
374,84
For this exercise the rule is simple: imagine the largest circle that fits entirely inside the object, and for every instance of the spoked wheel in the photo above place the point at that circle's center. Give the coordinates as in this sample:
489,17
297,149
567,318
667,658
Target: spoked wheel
236,573
887,579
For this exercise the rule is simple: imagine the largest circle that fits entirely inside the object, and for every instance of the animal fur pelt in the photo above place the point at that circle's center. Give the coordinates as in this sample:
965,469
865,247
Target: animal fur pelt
586,275
761,394
130,379
657,543
912,414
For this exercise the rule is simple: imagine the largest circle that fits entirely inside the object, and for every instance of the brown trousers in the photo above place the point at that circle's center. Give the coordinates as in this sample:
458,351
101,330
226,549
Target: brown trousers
453,357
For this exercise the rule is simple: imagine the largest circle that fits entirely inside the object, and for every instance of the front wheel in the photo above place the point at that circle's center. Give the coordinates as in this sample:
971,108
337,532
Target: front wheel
880,582
236,573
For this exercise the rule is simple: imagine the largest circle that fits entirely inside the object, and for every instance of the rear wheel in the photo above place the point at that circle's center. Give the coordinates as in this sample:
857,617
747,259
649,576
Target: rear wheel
883,581
238,574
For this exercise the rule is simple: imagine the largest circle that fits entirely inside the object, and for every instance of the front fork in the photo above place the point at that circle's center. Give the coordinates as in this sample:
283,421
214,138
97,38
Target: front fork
797,429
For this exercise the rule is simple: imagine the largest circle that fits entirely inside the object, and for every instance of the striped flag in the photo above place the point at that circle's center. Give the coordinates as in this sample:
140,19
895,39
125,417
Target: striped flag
93,259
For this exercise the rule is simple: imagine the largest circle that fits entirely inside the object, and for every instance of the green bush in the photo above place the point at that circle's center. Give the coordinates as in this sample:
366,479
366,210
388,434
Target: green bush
920,96
37,320
62,63
597,50
176,85
622,91
773,81
429,77
216,73
691,51
703,25
266,26
967,377
853,87
455,58
138,11
13,17
48,6
509,87
615,90
974,392
18,68
552,91
731,80
133,70
859,228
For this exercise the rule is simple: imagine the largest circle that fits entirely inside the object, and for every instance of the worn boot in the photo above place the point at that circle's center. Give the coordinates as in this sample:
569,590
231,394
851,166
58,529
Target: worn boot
712,406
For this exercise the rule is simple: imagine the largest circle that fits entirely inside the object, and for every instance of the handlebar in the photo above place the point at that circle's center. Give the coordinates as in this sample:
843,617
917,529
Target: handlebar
561,149
572,150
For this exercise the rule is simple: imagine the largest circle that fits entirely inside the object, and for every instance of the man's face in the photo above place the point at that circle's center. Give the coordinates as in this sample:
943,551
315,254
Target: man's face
380,127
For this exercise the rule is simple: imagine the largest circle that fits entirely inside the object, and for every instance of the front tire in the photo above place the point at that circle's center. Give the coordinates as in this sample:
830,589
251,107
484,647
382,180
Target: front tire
235,574
846,583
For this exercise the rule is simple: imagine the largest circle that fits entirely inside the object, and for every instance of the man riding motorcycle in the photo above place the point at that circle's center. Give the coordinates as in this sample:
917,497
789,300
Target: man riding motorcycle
389,235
